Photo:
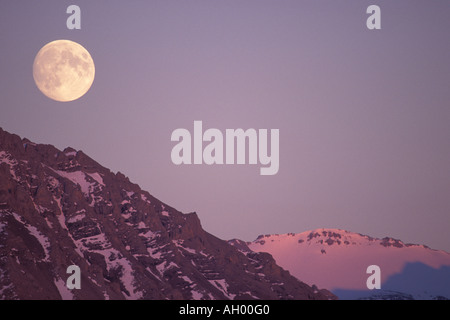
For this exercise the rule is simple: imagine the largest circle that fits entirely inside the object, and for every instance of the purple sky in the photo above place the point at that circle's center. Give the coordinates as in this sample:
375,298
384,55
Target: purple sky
364,116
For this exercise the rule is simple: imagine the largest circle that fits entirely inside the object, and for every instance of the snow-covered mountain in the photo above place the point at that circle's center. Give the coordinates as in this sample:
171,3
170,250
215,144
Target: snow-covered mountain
337,260
61,208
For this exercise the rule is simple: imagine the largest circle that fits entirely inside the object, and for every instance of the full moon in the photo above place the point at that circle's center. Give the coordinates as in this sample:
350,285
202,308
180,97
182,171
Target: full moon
63,70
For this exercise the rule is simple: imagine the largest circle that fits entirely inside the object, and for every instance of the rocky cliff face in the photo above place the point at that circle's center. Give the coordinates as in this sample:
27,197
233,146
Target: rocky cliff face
61,208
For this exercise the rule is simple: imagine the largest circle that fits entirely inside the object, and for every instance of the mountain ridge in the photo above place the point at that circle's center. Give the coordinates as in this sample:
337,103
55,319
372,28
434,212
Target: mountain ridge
337,233
59,208
337,259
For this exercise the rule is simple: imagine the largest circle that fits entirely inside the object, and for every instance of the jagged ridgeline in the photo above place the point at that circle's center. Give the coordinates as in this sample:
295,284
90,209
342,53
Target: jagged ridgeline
61,208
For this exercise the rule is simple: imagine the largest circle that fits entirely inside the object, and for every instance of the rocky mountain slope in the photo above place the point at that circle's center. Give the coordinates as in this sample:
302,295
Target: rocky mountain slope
337,260
61,208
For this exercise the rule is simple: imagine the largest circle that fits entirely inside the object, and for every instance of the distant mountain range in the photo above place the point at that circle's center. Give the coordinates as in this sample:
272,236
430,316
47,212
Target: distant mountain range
337,260
61,208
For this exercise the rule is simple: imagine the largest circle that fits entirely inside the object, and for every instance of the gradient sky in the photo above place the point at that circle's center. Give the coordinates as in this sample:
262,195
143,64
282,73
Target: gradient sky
364,116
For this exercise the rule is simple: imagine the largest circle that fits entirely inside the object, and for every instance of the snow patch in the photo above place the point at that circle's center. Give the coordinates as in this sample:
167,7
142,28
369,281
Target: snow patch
196,295
61,217
150,235
65,293
80,178
97,177
144,198
141,225
250,294
222,285
11,162
164,266
71,154
115,260
153,274
179,244
40,208
54,183
187,279
76,218
43,240
165,213
129,193
154,253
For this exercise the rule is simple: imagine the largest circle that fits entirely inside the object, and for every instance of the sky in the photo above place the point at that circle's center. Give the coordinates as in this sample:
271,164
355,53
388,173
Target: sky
363,114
